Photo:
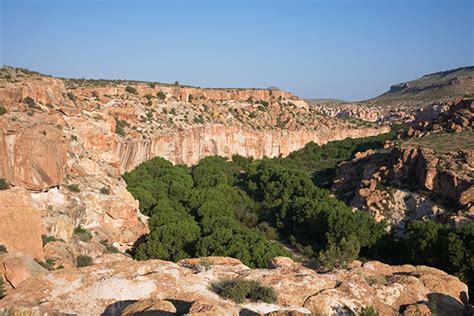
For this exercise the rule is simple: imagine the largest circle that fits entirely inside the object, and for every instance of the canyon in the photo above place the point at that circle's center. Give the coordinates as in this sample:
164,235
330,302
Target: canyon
60,144
64,144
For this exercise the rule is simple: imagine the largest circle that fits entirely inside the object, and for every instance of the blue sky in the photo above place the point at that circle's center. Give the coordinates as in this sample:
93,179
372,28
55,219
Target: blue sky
343,49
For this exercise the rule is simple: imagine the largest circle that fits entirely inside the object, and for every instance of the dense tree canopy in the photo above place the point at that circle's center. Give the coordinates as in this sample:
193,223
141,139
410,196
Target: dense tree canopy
230,208
247,208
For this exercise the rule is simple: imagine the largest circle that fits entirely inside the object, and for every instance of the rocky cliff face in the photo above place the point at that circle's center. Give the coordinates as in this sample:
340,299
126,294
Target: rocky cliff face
125,287
190,145
427,174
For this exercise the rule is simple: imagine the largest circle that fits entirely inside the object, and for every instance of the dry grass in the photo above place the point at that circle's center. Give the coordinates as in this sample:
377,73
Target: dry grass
444,142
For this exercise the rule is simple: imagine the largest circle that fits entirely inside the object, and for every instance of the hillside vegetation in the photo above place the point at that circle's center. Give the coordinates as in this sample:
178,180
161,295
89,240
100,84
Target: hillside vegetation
437,86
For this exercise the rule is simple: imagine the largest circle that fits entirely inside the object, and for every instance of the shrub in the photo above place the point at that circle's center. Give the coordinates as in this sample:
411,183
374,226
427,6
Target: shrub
264,103
71,96
152,85
30,102
205,263
368,311
338,255
131,90
4,184
48,264
109,247
74,188
241,290
105,190
3,249
119,127
84,261
148,96
3,110
46,239
199,119
83,234
160,95
176,83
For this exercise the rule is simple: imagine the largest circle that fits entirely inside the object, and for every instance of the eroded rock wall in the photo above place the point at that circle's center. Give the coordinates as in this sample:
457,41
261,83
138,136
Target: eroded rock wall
190,145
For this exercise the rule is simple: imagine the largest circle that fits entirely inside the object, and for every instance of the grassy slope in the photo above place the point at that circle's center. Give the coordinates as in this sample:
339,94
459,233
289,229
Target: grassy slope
432,87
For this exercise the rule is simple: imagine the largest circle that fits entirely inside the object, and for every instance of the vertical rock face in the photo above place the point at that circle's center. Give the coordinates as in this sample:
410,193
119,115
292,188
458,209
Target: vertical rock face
20,223
33,156
189,146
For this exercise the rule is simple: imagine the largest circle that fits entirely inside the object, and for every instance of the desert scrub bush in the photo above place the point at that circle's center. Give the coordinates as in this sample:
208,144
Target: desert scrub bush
205,263
4,184
3,110
48,264
105,190
83,234
241,290
368,311
71,96
119,127
160,95
131,90
199,119
30,102
47,239
148,96
264,103
74,188
109,247
3,249
84,261
152,85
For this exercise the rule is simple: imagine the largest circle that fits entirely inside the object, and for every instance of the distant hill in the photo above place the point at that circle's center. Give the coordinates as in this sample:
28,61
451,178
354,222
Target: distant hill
437,86
325,101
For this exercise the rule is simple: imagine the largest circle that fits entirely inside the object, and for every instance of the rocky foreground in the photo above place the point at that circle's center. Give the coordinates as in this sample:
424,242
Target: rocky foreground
126,287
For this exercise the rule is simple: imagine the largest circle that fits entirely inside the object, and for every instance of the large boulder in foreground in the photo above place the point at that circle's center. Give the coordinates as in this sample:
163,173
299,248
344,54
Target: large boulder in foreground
125,287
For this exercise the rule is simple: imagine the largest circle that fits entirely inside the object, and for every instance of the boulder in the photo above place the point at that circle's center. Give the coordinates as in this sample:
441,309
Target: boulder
16,268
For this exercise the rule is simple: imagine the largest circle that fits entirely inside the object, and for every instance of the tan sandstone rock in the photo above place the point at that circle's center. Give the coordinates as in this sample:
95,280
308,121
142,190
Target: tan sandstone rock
20,223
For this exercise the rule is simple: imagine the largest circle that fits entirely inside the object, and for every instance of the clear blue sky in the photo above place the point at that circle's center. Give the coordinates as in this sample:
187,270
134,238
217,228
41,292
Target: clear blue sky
343,49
